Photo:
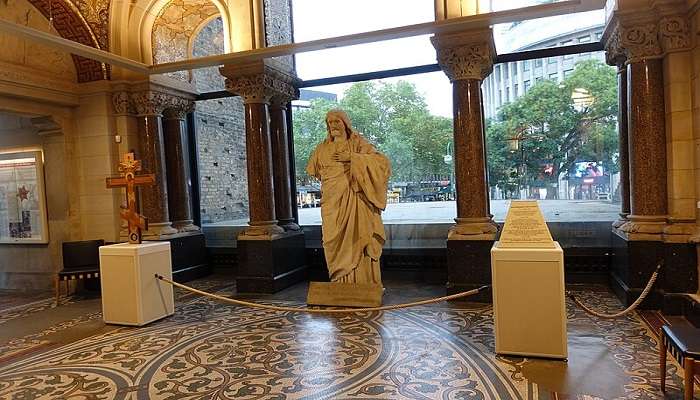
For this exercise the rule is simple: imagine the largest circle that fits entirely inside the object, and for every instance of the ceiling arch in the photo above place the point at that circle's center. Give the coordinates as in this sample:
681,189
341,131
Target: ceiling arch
69,22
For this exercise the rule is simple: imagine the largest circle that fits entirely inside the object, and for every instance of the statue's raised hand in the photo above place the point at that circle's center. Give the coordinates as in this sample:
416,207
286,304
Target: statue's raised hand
342,156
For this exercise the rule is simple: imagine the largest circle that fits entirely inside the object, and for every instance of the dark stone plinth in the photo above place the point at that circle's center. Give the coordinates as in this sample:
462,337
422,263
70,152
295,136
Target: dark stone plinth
268,266
634,262
469,267
189,258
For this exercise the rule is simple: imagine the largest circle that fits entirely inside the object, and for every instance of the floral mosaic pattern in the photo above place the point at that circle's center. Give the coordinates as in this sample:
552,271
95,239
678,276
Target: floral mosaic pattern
176,24
211,350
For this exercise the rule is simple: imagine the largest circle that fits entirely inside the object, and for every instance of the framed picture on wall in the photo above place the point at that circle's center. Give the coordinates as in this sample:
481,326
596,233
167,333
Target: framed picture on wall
22,198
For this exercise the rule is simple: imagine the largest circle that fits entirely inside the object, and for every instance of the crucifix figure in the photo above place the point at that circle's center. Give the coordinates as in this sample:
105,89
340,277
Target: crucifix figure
128,168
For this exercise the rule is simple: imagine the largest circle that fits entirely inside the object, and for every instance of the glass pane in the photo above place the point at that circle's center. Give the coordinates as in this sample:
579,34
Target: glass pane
555,139
561,30
315,19
408,119
390,54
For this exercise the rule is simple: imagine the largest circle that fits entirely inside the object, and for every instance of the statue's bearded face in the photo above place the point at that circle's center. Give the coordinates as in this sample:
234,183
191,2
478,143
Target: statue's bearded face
336,126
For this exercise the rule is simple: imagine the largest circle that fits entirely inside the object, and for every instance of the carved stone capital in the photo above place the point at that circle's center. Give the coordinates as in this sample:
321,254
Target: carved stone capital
640,41
122,103
674,33
614,53
150,102
259,82
466,55
178,108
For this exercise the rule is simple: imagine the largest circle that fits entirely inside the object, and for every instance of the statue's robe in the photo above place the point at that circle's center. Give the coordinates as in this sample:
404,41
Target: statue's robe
353,196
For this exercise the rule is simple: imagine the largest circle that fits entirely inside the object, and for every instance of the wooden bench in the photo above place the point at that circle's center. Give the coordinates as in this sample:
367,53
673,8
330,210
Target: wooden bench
81,260
683,342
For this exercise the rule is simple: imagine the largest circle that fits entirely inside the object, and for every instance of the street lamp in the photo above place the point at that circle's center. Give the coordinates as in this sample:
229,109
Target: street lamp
447,158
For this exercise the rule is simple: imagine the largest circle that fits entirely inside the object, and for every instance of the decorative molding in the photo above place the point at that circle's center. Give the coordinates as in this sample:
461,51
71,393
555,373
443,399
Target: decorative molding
674,32
260,82
467,55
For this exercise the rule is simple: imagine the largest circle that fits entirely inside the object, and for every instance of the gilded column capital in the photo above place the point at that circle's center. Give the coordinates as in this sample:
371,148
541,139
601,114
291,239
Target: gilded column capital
260,82
465,55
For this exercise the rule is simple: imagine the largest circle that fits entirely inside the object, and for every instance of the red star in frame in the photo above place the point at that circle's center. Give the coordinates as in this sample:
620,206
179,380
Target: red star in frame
23,193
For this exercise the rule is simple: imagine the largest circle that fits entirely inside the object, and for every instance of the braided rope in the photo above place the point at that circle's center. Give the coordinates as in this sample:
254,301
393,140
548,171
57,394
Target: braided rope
323,311
627,310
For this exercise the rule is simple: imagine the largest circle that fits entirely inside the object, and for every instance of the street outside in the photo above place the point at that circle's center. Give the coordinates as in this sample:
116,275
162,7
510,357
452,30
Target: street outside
445,211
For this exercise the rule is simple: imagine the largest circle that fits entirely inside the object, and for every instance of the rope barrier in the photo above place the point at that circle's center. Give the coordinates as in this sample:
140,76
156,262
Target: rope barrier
627,310
323,311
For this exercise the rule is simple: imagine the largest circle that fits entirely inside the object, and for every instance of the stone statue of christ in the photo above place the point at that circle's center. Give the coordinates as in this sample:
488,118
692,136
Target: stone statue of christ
354,178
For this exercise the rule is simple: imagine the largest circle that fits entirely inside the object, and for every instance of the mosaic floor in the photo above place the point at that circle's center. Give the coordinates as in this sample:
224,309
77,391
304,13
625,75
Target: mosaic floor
209,350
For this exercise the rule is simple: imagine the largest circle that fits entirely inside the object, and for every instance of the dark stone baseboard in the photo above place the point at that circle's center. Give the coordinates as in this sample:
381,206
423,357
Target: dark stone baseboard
188,255
268,266
469,266
633,263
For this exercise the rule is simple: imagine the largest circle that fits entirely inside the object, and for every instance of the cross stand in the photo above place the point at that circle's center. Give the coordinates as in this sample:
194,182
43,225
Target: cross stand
128,168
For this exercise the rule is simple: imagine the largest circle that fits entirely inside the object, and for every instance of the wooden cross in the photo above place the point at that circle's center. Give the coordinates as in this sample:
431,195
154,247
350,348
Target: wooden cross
128,168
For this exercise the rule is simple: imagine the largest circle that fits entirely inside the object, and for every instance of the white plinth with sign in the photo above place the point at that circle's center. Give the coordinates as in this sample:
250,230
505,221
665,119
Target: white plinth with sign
527,269
131,295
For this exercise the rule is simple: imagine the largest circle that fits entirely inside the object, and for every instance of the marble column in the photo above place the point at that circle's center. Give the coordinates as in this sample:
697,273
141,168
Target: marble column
614,55
280,163
466,58
269,258
257,83
149,107
178,166
646,132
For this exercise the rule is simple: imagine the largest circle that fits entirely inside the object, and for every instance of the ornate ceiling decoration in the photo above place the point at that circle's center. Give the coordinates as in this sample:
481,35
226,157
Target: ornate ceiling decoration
82,21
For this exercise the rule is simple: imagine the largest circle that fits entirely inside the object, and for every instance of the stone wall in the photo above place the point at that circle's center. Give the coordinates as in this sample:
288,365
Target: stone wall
220,138
278,27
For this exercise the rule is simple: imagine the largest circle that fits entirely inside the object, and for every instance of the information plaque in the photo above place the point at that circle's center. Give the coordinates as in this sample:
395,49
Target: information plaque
22,202
525,227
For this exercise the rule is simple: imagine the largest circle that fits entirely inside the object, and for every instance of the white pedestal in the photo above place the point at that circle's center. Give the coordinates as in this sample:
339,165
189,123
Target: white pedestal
131,295
528,301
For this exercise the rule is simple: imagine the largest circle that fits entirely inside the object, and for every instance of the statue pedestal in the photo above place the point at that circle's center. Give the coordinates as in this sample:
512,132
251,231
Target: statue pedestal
344,294
528,301
131,295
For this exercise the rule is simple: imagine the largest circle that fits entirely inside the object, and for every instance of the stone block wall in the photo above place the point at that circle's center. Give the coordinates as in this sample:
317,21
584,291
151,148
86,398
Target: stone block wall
222,160
220,125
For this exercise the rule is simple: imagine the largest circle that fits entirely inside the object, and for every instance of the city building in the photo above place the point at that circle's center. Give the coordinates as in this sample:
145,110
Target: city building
510,80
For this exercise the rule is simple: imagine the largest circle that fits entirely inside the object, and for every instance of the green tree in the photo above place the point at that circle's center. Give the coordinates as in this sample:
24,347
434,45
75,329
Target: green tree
394,117
553,129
